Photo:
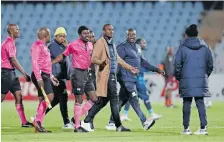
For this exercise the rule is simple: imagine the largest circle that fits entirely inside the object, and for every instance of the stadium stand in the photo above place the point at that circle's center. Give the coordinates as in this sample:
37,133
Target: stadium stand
218,56
160,23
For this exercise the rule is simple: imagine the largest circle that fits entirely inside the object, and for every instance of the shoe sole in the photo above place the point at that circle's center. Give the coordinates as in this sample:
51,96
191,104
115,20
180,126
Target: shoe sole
201,134
153,122
185,134
83,124
67,128
28,126
110,129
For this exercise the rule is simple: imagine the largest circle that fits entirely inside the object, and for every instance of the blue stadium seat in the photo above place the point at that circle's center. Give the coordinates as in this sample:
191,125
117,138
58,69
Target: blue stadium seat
160,23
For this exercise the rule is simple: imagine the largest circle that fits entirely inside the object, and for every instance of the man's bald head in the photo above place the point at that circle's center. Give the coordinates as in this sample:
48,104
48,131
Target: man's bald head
43,34
13,30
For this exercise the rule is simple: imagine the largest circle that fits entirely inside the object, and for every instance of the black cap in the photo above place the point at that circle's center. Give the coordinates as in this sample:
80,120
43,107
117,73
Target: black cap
192,31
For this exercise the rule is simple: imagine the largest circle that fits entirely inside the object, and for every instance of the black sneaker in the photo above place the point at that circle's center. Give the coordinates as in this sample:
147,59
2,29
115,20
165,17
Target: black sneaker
80,130
122,129
27,125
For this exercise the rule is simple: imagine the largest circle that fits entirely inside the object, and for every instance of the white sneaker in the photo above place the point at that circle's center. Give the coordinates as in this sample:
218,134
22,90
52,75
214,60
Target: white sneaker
110,127
156,116
125,118
68,126
148,123
186,132
86,126
201,131
32,118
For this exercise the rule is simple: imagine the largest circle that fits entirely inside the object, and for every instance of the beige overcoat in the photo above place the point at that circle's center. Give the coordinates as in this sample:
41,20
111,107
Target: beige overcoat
100,54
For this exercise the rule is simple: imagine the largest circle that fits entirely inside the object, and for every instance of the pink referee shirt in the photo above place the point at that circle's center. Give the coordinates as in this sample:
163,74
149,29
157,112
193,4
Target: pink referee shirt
8,50
81,53
41,59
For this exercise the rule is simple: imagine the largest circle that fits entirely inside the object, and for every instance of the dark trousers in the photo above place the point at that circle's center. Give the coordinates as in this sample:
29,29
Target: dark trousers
128,93
61,97
113,97
187,111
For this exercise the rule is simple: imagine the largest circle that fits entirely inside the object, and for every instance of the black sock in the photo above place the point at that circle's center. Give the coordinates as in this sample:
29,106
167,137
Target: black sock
202,127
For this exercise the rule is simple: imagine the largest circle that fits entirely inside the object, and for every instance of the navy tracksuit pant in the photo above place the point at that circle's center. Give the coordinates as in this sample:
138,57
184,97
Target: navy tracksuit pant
187,111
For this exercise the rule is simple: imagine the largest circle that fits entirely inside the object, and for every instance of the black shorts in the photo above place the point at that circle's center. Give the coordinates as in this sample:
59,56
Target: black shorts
81,82
47,83
9,81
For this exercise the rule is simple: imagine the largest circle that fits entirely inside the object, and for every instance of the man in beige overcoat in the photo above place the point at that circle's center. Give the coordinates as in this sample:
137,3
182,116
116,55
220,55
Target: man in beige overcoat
106,59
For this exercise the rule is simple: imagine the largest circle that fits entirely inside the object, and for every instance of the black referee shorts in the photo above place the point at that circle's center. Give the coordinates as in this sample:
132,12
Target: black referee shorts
9,81
81,82
47,83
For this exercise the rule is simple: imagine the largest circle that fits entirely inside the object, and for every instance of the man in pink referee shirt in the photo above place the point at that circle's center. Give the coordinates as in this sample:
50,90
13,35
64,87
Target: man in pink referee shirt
82,83
42,75
10,81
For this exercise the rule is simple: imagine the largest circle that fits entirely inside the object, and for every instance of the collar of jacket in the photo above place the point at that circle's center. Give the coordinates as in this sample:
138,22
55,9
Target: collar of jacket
133,44
109,41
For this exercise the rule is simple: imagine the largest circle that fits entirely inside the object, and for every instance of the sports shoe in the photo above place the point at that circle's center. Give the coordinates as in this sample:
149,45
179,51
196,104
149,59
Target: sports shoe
148,123
125,118
38,127
186,132
110,127
201,131
27,125
80,130
68,126
122,129
156,116
87,126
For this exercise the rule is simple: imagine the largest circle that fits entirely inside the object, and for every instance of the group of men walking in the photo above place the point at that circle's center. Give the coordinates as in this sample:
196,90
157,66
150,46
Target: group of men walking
94,70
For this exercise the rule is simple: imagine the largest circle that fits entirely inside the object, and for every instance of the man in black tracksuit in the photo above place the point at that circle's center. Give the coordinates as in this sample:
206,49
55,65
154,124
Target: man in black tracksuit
130,52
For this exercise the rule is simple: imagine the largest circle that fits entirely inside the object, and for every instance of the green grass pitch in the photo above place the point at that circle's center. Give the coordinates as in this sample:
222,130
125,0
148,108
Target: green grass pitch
166,129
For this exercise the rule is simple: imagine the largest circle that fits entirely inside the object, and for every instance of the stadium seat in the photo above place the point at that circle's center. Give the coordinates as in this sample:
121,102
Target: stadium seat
155,21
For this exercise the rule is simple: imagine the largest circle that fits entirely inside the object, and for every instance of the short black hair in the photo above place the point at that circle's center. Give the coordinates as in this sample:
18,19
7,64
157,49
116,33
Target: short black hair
82,28
106,26
130,30
138,40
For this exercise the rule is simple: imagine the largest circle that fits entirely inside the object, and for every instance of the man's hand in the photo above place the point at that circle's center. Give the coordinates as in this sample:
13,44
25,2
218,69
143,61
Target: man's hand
162,72
40,83
65,43
27,77
103,64
134,70
55,81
